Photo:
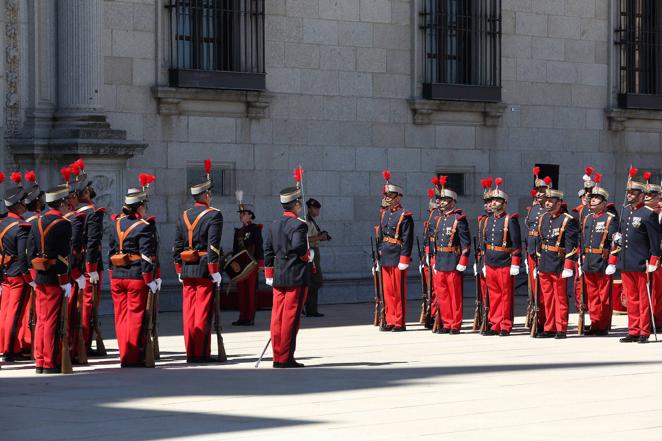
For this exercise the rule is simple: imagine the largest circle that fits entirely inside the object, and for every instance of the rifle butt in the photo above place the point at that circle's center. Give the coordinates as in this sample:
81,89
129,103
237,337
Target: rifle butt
421,319
101,348
534,325
375,319
580,324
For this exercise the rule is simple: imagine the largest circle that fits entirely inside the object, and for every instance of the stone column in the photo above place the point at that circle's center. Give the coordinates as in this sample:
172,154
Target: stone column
80,60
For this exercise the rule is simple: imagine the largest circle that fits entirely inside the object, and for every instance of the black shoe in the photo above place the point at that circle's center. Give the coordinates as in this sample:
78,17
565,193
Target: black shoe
93,353
643,339
386,328
489,332
546,334
291,364
276,364
504,333
398,329
443,331
629,339
132,365
53,370
454,331
243,323
314,314
560,335
39,370
600,333
589,331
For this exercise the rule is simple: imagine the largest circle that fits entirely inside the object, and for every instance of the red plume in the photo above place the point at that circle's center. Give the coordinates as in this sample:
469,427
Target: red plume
80,163
483,183
151,179
589,171
534,193
443,180
2,177
647,176
66,173
633,171
498,181
598,178
548,180
430,193
207,166
489,181
387,175
298,174
435,181
536,171
16,177
142,177
30,176
75,168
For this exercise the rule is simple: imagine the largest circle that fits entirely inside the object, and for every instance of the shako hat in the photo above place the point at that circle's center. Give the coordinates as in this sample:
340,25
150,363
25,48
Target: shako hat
552,192
389,187
206,184
14,194
139,195
444,192
498,193
632,184
537,182
597,189
650,188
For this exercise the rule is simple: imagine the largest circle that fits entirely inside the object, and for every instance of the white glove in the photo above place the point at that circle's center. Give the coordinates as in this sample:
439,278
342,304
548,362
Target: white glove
217,278
650,268
80,281
94,277
159,282
427,259
579,270
179,277
535,273
460,268
567,272
484,270
611,269
311,256
420,269
33,284
475,270
514,270
617,238
67,289
526,265
152,286
403,266
269,281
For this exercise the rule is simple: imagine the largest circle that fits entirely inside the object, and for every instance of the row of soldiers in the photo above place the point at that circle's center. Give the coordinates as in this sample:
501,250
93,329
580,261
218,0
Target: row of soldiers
592,244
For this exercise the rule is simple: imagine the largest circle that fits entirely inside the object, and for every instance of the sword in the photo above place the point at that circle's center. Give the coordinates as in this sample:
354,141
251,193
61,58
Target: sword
257,364
650,301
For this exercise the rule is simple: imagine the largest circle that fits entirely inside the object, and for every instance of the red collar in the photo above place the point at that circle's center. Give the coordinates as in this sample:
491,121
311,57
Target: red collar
396,208
598,214
53,213
499,216
200,204
14,215
289,214
636,207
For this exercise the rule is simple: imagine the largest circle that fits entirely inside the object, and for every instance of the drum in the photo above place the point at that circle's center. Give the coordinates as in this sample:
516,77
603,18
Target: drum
239,266
618,299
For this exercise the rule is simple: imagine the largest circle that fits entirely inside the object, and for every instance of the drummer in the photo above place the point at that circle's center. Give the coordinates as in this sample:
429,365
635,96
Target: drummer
248,237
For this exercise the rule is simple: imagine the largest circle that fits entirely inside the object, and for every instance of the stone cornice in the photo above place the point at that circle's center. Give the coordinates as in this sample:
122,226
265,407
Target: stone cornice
429,111
211,102
623,119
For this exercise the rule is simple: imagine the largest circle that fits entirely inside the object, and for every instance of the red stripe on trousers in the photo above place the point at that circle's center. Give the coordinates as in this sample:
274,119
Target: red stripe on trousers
449,288
247,289
500,288
129,301
11,309
634,286
197,314
285,315
395,295
599,300
555,292
47,344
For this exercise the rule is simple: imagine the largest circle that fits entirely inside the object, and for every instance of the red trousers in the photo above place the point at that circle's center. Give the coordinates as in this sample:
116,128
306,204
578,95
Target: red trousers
395,295
433,297
500,289
197,315
533,284
599,300
129,301
247,289
285,315
47,342
555,292
24,332
448,285
639,318
656,286
15,300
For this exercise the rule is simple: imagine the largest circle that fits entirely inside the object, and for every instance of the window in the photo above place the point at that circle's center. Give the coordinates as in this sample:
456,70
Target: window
551,170
462,50
638,37
455,182
217,44
222,177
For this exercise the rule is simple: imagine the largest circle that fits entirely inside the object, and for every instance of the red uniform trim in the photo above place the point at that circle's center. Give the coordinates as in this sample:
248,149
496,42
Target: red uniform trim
213,267
655,260
569,264
269,273
90,267
148,277
405,259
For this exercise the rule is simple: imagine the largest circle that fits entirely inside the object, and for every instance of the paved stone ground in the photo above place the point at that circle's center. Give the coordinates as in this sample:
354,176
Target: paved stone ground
359,384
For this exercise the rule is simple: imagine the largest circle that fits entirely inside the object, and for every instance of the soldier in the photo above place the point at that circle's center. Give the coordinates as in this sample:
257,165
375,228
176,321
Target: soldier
14,231
198,261
452,247
479,269
579,213
638,243
533,213
87,234
503,254
249,238
653,201
132,252
286,259
598,262
428,230
556,247
394,244
315,237
49,246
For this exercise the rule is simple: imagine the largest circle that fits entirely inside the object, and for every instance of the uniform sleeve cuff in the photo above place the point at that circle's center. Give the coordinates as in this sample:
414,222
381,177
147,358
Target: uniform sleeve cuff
27,277
405,259
147,277
516,260
464,260
63,279
75,273
260,263
91,267
427,249
33,274
110,274
655,260
269,273
613,259
178,268
569,264
157,273
305,257
213,268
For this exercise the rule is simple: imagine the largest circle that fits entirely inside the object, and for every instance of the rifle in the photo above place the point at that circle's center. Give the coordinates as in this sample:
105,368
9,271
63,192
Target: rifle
155,325
430,285
650,300
32,321
222,356
96,326
529,288
148,349
534,318
478,322
424,289
582,302
80,340
375,283
486,311
65,361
